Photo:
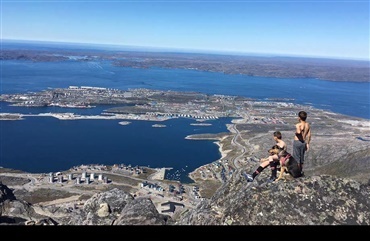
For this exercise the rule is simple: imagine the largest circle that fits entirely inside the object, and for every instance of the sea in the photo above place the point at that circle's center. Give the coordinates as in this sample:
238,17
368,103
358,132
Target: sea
46,144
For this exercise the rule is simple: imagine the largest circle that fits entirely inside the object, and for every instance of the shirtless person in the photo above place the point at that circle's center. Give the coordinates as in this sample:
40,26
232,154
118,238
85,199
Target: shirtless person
272,160
264,162
302,139
279,141
274,164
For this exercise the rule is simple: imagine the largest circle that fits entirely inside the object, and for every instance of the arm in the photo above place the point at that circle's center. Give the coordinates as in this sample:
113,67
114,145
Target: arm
274,158
308,137
263,159
269,158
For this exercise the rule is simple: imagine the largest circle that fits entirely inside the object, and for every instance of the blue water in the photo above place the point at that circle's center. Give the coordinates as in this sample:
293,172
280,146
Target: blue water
44,144
349,98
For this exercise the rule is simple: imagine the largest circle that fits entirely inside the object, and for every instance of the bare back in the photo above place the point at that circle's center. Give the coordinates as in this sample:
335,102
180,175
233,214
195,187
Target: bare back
303,132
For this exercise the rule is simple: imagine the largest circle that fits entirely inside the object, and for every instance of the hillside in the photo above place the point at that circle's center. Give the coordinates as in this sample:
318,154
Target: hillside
317,200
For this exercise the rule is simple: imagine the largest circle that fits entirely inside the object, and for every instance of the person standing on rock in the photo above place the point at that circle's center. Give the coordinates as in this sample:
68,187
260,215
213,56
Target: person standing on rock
302,139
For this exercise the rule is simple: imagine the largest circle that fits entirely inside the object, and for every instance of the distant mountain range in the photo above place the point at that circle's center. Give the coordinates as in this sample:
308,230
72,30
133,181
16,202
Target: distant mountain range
139,57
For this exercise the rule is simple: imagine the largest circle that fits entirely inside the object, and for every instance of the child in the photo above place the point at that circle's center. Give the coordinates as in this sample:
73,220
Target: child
302,139
282,145
271,160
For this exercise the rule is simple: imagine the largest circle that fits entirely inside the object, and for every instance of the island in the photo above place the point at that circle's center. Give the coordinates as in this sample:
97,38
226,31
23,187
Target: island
158,125
124,123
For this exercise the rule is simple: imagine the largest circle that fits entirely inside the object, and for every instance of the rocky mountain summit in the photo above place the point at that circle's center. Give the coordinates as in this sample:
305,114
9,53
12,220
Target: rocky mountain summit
315,200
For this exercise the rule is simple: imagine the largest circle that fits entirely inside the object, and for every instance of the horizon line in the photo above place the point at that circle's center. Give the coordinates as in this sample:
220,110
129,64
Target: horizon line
183,50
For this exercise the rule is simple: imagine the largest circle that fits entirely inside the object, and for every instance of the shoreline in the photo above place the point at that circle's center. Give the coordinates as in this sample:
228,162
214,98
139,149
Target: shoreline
72,116
221,151
160,172
219,139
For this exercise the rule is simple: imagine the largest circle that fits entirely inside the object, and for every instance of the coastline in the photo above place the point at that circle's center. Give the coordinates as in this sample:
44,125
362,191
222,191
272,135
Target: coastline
259,116
223,155
72,116
124,120
220,149
160,173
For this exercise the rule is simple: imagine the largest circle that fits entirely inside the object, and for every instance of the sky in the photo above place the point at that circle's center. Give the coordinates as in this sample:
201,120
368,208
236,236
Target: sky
316,28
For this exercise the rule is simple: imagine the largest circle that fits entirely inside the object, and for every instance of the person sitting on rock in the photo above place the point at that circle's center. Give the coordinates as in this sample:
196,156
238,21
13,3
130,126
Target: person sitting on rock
274,165
272,160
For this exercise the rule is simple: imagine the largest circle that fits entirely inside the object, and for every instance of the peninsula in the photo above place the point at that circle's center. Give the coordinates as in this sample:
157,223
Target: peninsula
247,139
264,66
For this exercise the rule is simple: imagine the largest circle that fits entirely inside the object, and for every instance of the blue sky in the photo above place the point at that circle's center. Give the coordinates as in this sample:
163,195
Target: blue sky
318,28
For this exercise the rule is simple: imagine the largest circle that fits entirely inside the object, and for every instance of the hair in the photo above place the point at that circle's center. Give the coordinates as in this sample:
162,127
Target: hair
302,115
277,134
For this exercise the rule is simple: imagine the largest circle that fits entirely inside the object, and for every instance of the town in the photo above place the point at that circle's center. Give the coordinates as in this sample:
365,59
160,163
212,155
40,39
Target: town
144,104
169,195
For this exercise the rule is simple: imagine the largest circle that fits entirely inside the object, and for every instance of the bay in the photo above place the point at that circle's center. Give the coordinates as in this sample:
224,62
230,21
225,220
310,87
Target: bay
44,144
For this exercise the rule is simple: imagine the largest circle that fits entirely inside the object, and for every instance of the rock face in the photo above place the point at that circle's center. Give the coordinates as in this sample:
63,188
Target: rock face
113,207
141,211
13,211
317,200
116,207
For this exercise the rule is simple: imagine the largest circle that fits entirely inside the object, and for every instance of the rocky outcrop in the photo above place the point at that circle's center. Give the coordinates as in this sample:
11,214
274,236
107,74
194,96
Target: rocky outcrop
117,207
113,207
5,194
317,200
141,211
13,211
103,208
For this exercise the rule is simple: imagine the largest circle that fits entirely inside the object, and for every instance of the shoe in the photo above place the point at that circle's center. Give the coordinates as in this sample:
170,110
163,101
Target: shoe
248,177
271,179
